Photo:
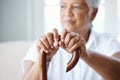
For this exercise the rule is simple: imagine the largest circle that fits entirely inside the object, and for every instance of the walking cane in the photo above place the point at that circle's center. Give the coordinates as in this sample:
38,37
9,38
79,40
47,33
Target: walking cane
73,61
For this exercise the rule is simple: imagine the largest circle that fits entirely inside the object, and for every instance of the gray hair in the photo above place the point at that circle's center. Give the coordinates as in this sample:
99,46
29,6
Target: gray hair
93,3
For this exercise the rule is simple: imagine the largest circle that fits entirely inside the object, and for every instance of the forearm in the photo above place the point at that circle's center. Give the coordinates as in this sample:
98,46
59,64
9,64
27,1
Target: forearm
107,67
33,73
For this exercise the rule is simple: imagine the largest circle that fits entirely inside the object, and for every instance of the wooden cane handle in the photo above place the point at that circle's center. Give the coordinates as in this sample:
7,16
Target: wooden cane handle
70,65
73,61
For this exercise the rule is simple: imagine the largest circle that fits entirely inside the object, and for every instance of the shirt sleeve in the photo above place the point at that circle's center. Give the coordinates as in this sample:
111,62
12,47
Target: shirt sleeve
31,55
113,46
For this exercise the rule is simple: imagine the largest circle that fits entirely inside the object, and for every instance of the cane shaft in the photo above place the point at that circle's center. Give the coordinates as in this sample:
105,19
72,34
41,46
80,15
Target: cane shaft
70,65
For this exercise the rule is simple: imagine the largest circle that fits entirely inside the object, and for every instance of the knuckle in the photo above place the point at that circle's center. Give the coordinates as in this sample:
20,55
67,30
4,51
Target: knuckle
77,38
69,35
43,38
48,34
54,29
74,41
39,42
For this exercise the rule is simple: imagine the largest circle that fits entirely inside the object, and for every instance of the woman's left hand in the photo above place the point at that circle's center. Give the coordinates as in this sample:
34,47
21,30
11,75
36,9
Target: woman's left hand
70,41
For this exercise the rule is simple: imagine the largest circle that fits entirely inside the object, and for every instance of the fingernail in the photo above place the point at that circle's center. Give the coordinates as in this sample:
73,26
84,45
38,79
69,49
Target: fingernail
62,40
46,51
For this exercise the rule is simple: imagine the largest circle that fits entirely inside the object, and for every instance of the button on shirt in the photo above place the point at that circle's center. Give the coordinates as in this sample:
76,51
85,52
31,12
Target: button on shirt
102,43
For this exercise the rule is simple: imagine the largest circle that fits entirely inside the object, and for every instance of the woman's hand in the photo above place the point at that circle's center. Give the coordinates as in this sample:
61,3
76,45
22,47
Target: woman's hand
70,41
49,44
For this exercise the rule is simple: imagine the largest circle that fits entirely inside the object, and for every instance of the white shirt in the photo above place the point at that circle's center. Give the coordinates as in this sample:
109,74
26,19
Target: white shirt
101,43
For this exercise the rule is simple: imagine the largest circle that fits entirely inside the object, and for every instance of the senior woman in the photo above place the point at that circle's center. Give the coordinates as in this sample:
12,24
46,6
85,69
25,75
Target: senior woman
99,53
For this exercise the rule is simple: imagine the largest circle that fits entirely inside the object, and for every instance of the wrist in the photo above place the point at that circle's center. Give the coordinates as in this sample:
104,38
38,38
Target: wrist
85,55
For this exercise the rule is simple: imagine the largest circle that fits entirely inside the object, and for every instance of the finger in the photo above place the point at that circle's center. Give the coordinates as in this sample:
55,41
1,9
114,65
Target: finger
55,34
42,47
64,32
50,39
67,39
55,44
38,46
44,44
83,47
80,44
73,41
61,43
56,38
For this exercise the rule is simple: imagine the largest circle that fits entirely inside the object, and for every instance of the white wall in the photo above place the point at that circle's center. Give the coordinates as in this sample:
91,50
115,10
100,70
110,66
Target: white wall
111,17
35,18
12,19
24,19
21,19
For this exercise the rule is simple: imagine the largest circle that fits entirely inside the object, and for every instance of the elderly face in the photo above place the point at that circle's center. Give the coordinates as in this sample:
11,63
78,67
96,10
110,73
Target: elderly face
74,15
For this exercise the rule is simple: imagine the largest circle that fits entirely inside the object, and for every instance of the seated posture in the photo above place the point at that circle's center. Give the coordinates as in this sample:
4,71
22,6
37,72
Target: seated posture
99,53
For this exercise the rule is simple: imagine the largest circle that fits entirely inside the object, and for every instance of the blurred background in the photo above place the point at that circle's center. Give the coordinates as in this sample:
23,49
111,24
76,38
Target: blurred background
29,19
23,21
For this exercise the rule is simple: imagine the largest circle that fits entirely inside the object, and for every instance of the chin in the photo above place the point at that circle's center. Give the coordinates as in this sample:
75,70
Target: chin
69,27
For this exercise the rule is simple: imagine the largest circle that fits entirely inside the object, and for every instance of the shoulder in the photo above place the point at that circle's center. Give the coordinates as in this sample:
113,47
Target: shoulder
32,53
106,42
103,37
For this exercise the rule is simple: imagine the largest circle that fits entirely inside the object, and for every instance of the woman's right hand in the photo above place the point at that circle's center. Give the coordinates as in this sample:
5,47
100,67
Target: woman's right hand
49,44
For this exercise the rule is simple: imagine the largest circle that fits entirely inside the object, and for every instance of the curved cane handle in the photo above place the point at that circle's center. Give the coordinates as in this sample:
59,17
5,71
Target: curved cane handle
73,61
70,65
